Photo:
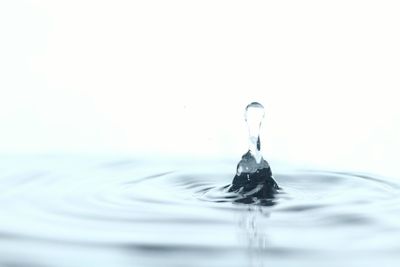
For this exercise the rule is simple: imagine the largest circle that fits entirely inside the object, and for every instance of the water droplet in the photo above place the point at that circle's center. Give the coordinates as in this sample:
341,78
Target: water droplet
254,115
253,173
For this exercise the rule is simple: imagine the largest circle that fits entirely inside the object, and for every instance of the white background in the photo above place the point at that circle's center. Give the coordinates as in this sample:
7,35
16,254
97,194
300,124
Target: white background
173,78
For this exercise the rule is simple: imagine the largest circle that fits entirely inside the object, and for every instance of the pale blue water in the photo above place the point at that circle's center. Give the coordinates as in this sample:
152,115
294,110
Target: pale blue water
126,211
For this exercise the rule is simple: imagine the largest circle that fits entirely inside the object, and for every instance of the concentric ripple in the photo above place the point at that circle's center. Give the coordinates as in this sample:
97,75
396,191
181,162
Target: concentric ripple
79,212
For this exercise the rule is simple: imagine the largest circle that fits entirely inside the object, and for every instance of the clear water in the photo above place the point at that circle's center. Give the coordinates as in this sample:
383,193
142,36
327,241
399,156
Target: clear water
89,211
85,211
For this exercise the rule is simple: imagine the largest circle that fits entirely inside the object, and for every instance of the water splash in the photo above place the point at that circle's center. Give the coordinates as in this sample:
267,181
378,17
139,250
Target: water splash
253,175
254,115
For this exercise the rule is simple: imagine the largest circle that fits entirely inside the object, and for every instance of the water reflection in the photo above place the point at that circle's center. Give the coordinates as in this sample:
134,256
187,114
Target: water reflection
253,233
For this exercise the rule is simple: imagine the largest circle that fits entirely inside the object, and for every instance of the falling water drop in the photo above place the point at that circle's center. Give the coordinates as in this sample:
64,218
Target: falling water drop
253,173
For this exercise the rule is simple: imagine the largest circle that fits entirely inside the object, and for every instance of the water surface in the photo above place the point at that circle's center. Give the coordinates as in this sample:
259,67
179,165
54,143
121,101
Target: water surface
91,211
